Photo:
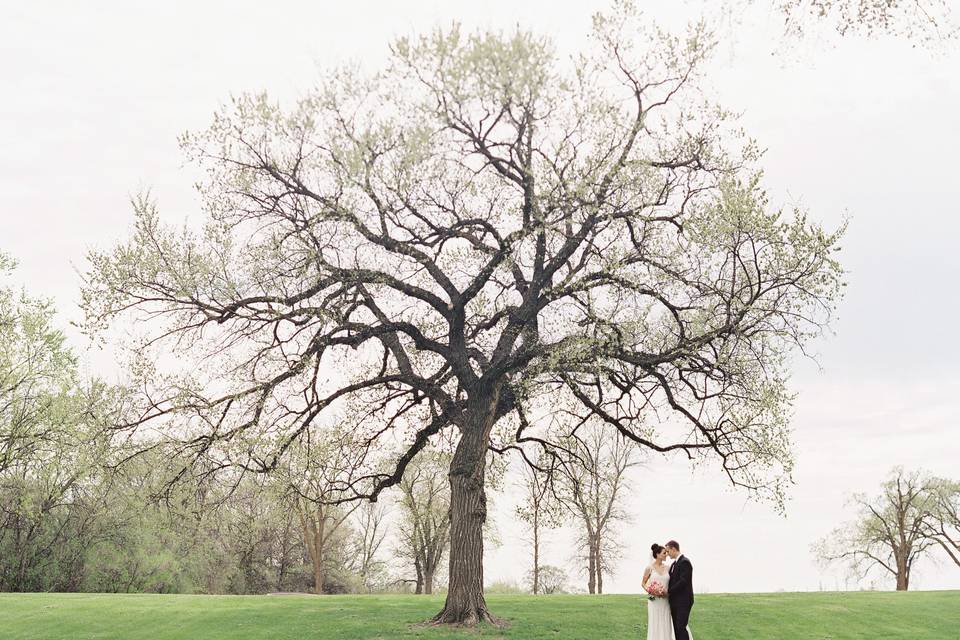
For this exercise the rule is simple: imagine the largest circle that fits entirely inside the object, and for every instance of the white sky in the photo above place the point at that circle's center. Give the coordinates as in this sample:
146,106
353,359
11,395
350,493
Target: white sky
96,93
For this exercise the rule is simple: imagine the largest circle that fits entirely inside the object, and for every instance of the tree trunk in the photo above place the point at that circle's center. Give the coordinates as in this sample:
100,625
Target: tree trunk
428,582
317,576
536,553
416,564
591,568
903,574
284,555
903,580
313,534
599,565
465,603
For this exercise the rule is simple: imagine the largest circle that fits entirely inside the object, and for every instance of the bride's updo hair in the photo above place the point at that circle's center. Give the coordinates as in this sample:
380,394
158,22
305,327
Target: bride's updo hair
656,549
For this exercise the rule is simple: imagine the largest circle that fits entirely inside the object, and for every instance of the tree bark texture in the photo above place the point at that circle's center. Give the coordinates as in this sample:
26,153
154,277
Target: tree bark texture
465,603
419,589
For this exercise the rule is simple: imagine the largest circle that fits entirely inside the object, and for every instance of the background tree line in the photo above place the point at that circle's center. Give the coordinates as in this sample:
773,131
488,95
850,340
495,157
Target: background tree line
72,518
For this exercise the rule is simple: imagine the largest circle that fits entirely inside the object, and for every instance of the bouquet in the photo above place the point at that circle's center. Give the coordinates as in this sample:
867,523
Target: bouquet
656,590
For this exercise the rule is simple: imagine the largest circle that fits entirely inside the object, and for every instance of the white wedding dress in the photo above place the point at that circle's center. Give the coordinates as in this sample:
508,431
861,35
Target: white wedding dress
659,623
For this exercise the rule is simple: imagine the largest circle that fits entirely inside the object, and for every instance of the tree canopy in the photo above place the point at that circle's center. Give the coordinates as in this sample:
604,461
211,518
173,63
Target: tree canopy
486,239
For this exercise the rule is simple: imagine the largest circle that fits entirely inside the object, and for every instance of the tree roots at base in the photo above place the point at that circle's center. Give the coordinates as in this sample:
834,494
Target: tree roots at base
467,618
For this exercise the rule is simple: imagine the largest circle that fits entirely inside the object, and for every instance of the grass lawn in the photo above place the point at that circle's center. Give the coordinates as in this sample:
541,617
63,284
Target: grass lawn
932,615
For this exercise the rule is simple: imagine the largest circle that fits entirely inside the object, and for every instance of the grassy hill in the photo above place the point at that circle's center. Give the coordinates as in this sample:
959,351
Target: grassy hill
783,616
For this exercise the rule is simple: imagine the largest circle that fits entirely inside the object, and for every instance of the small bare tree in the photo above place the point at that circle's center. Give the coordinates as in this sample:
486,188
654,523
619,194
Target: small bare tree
888,532
539,511
592,485
370,531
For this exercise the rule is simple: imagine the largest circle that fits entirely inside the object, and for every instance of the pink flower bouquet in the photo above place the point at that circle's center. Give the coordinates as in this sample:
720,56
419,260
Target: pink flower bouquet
656,590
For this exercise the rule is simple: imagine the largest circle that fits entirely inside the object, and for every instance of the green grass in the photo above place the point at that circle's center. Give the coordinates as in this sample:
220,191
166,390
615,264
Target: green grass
783,616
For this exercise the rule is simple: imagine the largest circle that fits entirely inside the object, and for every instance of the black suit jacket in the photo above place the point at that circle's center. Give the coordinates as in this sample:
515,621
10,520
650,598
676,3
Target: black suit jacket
681,583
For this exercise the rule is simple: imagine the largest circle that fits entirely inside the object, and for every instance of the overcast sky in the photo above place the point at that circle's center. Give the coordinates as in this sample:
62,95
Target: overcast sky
96,93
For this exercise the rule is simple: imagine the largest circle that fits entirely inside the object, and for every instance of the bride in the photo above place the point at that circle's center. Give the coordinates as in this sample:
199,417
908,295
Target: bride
659,623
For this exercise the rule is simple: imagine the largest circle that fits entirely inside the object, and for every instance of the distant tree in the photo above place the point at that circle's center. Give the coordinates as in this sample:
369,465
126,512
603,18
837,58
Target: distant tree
539,511
38,374
163,546
246,521
246,535
311,481
52,508
369,528
288,555
424,528
592,487
942,524
478,234
53,490
552,579
889,531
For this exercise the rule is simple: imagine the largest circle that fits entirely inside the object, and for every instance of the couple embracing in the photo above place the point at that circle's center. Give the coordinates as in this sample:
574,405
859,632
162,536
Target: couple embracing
671,594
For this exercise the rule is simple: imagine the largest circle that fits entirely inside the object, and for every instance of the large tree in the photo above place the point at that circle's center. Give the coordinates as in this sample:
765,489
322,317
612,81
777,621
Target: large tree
476,238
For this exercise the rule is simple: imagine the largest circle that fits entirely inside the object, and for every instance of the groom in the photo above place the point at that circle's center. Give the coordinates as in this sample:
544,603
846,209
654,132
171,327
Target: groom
681,590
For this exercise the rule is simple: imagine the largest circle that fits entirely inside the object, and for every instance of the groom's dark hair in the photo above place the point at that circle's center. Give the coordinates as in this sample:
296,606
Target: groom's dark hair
673,544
